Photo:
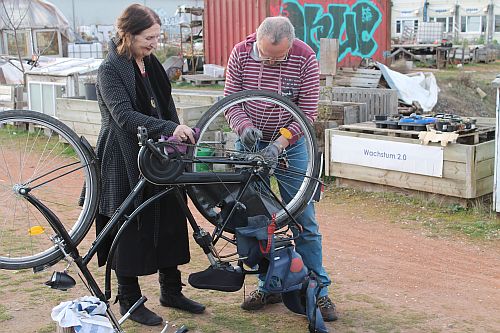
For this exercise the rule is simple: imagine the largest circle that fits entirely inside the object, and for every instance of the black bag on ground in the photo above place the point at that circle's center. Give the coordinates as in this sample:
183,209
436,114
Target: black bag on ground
223,279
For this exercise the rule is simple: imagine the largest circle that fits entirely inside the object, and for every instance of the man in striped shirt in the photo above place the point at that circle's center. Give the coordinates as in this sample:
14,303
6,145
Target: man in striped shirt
273,59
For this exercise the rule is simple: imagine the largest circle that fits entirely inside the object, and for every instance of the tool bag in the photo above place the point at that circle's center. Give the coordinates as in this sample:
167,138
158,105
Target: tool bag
286,273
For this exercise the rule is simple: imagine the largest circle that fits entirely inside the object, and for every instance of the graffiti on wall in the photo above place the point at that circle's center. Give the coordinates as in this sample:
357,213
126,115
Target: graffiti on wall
353,25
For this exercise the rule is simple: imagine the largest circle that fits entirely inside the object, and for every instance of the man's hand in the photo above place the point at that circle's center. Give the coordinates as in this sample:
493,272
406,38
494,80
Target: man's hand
271,153
249,136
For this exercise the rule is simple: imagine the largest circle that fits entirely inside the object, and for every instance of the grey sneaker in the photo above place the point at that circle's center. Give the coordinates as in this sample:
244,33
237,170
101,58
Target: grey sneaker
327,308
258,299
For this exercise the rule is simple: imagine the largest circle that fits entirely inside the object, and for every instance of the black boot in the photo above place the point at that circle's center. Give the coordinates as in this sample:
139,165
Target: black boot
127,296
171,295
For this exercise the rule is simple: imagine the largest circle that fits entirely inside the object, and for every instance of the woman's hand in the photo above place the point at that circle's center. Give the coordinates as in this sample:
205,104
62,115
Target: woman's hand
183,133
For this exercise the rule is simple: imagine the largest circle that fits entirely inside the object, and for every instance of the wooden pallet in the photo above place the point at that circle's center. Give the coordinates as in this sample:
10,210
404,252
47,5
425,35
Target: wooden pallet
369,127
485,131
202,79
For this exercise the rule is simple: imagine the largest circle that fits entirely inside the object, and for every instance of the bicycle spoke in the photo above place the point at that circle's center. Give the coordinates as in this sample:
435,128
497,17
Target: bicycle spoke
296,170
41,155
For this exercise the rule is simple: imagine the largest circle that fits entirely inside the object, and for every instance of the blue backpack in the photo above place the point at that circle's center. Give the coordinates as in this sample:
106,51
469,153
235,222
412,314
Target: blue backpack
286,272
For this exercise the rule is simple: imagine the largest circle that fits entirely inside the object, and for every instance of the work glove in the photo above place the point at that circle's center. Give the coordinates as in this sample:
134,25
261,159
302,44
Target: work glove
271,153
249,136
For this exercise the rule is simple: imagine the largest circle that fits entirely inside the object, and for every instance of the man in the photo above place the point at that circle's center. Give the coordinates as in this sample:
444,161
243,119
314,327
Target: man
274,60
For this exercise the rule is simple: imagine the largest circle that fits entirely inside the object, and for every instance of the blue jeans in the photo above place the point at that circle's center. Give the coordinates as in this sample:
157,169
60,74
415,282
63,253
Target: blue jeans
308,243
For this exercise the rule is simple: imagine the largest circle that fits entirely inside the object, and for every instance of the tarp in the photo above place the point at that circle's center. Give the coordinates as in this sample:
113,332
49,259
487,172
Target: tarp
33,14
420,87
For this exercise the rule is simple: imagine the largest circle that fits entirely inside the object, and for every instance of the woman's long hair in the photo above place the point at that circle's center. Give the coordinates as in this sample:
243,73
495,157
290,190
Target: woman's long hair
134,19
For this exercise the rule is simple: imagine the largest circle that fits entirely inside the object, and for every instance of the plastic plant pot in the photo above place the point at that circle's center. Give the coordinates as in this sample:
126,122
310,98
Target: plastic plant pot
442,126
203,152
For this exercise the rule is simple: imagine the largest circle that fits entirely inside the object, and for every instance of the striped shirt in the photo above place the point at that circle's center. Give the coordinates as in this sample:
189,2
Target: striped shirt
296,78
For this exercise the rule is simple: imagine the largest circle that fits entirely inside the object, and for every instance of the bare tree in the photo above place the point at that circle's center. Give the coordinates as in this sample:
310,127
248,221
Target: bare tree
12,16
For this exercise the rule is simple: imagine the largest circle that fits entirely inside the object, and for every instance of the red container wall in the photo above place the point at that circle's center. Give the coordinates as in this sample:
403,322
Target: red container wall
227,22
362,27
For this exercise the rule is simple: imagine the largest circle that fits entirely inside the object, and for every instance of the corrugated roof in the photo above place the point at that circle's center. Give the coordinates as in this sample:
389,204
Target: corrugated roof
65,66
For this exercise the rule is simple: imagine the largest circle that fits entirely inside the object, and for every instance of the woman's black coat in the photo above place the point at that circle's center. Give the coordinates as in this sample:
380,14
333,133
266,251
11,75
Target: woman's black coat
159,238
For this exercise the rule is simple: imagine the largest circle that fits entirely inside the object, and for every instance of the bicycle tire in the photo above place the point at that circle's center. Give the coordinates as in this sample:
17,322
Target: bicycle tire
203,197
34,145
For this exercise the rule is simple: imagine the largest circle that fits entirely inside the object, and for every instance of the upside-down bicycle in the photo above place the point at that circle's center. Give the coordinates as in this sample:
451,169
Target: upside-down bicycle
44,165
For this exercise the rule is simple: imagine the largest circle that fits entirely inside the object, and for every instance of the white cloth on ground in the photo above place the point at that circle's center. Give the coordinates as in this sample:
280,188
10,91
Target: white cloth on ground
85,314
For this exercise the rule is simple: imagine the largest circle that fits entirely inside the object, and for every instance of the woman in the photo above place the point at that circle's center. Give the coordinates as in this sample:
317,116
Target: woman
133,90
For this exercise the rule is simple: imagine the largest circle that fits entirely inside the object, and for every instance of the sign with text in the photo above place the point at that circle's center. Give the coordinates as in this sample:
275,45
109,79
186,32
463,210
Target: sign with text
388,155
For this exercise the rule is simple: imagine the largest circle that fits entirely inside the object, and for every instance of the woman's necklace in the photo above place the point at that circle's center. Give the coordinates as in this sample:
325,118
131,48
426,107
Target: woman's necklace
142,69
141,65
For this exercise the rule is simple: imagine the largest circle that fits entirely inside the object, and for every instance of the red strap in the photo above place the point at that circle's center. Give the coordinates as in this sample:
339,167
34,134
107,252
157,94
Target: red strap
270,233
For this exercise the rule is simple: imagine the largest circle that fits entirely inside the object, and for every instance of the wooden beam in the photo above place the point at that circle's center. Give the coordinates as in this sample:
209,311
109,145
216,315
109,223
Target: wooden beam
328,54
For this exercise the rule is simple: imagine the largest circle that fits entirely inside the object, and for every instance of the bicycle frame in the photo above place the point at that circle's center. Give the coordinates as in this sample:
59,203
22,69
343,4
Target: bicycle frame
186,179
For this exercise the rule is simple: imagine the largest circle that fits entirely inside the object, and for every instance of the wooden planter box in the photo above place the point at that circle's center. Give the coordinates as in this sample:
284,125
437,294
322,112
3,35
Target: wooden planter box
467,169
84,117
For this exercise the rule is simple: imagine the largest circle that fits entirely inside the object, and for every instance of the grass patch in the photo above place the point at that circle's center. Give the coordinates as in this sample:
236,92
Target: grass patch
365,312
34,141
4,315
477,222
49,328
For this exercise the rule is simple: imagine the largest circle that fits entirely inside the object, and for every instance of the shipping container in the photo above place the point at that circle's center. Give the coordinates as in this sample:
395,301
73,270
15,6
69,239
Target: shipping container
362,27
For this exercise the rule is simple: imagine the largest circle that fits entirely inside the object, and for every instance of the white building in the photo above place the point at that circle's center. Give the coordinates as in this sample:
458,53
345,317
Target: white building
474,20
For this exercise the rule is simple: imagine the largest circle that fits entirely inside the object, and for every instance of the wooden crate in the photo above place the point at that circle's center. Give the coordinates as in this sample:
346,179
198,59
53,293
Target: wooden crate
378,101
360,77
344,113
467,169
333,114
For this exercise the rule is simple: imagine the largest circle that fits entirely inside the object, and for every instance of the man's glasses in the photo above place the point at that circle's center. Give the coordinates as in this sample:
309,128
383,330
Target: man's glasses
270,60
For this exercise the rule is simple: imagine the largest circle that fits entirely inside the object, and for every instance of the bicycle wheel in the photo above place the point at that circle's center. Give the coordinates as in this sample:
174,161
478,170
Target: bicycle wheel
294,180
42,154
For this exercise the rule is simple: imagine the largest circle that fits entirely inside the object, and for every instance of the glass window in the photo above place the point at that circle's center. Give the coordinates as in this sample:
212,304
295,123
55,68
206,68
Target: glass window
483,23
442,20
450,24
35,97
47,43
463,24
473,24
497,23
408,24
48,100
22,42
43,97
447,22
